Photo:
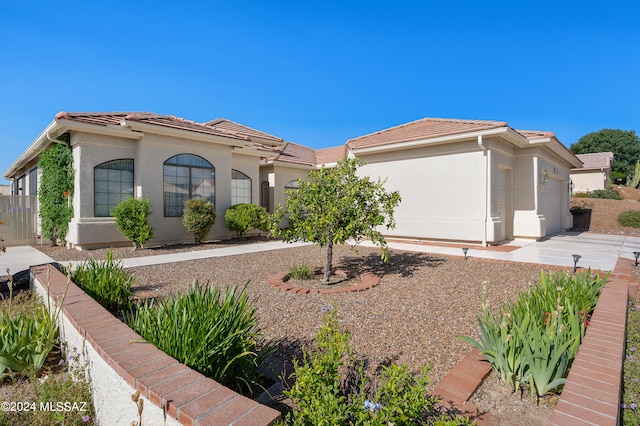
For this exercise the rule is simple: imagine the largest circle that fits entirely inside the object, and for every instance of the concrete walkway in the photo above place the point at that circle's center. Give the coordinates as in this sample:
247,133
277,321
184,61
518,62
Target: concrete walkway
597,251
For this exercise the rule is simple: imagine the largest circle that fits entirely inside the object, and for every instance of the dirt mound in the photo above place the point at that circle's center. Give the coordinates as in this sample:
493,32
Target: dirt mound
601,215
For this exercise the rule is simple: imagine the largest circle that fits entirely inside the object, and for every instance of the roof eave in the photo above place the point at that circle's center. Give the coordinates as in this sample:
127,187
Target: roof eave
555,146
34,149
505,132
228,140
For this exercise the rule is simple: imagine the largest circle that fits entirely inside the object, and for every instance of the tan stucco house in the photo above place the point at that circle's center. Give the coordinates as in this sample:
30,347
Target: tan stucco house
164,158
466,180
594,172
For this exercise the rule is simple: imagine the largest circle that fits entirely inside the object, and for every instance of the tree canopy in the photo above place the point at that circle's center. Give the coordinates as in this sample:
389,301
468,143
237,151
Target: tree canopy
625,145
336,205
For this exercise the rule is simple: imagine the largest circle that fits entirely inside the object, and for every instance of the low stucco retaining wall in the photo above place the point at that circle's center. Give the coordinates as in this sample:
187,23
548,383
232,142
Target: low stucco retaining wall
120,363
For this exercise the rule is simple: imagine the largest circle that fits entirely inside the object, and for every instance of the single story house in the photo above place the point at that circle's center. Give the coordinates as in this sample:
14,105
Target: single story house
594,172
466,180
164,158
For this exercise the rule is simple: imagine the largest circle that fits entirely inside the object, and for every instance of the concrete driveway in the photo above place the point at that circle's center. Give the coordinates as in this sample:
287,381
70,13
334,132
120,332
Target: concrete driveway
597,251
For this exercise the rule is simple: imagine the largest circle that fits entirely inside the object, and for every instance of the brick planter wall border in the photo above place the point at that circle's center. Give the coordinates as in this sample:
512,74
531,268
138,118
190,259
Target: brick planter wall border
119,364
367,281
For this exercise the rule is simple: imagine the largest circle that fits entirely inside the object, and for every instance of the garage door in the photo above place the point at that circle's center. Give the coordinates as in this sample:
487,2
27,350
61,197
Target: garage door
551,206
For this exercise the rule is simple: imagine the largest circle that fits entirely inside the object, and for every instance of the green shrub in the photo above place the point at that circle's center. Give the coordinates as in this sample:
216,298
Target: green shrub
132,220
322,396
300,272
106,281
630,218
581,195
26,337
56,191
211,331
242,218
610,194
198,218
535,339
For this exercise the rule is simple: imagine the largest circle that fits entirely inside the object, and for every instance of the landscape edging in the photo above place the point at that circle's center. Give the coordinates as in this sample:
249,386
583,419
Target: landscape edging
120,363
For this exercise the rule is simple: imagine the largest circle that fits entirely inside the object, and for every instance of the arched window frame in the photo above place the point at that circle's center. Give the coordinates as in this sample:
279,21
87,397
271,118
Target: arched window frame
112,183
186,176
264,195
240,188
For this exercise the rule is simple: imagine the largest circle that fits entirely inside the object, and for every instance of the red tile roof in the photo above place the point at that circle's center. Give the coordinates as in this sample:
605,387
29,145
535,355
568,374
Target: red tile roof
231,126
169,121
331,155
422,129
293,153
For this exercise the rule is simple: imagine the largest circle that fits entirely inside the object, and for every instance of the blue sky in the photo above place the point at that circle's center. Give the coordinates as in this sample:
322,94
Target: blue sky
319,73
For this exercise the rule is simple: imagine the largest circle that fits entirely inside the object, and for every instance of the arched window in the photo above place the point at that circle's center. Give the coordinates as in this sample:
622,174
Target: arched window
264,194
112,183
292,185
240,188
187,176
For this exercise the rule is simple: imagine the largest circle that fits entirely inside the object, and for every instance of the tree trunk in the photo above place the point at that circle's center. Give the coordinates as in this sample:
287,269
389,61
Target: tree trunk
327,268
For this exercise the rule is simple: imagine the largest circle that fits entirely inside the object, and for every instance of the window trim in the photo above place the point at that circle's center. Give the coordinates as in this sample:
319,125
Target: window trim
94,184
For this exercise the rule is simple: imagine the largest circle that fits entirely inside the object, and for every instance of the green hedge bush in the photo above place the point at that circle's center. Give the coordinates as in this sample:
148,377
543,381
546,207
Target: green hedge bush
198,218
132,220
242,218
630,218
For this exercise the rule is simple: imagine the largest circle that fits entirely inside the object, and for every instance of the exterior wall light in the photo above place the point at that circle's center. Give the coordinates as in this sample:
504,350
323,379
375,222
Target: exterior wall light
571,187
636,254
576,257
544,176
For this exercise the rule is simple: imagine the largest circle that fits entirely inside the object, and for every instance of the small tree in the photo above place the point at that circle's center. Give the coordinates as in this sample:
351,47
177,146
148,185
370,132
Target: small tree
198,218
242,218
56,191
336,205
132,220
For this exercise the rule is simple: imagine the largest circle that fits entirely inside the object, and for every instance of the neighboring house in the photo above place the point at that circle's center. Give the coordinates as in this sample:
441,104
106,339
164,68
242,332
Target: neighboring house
5,190
471,180
466,180
594,172
164,158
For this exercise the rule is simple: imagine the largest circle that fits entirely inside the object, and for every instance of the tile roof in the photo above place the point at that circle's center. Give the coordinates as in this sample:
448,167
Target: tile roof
596,160
231,126
422,129
293,153
331,155
536,134
169,121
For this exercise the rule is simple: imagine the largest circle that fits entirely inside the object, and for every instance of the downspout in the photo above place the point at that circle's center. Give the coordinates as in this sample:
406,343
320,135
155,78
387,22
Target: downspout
54,140
486,187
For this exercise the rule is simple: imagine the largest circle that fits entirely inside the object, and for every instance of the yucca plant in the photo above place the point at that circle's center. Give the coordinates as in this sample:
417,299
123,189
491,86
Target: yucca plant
535,339
106,281
213,331
26,338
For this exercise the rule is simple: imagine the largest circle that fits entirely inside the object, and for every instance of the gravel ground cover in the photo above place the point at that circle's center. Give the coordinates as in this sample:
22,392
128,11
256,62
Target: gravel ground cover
414,316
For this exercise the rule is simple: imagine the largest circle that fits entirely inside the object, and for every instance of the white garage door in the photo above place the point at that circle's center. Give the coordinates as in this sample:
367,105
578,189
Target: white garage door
551,206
